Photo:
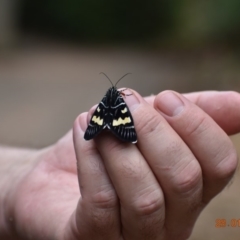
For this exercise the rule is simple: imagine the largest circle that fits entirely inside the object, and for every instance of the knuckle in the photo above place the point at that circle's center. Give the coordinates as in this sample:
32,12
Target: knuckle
101,210
105,199
196,126
149,204
227,166
187,180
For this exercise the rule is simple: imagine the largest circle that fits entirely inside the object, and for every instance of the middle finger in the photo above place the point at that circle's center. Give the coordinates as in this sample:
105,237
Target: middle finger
141,198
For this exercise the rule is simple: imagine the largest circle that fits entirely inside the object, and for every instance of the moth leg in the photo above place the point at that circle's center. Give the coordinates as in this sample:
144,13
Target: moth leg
123,90
123,94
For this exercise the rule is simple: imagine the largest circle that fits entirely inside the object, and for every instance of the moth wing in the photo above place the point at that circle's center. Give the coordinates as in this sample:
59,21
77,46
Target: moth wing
98,121
121,121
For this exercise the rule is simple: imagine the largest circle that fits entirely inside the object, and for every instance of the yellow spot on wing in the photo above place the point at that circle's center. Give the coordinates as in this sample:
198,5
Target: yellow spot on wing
124,110
97,120
98,109
121,121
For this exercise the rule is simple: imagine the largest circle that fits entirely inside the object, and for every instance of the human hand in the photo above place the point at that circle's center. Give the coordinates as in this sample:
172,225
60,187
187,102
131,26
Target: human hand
152,190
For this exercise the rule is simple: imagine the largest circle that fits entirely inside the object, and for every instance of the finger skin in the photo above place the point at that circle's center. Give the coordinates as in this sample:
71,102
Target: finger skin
140,196
176,168
194,184
97,214
223,107
208,142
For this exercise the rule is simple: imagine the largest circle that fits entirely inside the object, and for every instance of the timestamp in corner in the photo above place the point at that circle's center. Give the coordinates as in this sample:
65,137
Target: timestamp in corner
223,223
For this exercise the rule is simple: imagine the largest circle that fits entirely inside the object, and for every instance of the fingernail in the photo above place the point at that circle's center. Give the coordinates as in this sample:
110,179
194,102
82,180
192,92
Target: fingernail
170,104
132,101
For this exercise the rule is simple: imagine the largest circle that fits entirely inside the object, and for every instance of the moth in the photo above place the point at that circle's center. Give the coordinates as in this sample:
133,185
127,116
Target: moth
112,113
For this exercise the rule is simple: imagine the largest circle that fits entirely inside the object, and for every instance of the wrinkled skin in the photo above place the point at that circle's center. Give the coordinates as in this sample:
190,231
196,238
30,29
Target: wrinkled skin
107,189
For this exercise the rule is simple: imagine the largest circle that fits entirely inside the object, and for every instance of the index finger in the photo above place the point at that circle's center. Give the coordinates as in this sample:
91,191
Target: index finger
223,107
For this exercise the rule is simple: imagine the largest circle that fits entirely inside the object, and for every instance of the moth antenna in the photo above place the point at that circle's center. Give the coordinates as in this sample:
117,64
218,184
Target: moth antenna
106,77
122,78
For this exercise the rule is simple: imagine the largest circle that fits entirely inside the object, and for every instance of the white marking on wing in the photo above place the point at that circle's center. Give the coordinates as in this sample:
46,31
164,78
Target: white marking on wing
118,105
124,110
103,104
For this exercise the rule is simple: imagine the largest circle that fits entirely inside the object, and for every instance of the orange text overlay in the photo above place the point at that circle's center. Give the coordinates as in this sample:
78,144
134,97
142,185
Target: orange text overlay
222,223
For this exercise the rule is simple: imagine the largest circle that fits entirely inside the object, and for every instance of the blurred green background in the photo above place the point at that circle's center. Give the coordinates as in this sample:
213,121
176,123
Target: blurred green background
176,22
171,22
51,53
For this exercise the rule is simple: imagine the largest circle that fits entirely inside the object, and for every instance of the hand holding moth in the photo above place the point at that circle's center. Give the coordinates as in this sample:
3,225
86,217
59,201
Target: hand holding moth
154,189
157,188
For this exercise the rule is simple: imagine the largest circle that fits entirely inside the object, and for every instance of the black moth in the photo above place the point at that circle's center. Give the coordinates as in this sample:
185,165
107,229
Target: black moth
112,113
